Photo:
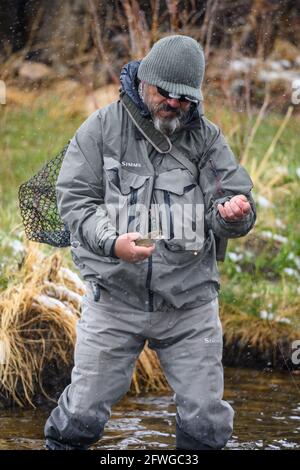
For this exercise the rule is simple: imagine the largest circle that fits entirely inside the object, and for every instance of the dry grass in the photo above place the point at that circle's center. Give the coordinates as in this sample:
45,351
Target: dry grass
75,99
148,375
264,336
35,327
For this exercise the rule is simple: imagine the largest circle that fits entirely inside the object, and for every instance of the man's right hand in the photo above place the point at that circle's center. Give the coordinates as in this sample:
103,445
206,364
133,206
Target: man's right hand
127,250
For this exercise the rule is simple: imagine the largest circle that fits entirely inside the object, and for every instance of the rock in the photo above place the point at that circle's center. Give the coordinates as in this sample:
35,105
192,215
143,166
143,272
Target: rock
34,71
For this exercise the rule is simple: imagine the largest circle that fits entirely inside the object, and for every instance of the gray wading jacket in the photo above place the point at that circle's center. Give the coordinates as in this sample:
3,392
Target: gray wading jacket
113,181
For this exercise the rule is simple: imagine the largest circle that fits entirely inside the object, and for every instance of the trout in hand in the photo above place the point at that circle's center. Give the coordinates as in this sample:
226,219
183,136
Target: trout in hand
149,239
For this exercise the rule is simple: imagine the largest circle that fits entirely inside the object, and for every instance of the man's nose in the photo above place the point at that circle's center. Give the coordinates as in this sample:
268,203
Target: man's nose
173,102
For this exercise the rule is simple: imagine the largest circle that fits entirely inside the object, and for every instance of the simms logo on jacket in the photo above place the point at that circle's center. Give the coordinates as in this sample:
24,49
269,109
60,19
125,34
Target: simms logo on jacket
131,164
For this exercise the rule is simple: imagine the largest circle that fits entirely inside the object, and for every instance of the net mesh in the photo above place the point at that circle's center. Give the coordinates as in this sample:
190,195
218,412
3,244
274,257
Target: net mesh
38,206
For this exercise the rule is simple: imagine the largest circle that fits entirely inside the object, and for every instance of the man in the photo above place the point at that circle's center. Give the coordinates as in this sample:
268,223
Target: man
150,162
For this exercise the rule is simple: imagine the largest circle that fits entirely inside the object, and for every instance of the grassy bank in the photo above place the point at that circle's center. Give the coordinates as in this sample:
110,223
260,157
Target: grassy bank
30,135
260,277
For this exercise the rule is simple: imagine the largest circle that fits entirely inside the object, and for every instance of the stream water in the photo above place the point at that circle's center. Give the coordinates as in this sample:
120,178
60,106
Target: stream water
267,406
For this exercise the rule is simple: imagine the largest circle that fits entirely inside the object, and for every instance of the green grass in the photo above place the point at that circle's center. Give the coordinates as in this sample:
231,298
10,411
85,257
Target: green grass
266,274
287,148
29,137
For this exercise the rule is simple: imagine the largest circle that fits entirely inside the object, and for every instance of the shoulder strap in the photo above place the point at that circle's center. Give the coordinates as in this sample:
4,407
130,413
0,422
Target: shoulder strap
184,161
159,141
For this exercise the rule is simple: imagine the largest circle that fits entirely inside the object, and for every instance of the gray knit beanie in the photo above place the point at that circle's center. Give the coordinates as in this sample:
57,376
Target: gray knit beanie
176,64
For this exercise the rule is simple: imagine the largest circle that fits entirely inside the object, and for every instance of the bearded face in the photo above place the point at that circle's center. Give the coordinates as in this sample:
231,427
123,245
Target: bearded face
168,114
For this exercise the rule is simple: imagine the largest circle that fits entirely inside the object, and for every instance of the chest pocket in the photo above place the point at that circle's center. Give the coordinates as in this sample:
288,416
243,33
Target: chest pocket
178,210
127,197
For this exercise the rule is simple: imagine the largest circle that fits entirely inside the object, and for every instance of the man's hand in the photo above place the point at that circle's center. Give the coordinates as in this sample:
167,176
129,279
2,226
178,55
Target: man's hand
127,250
235,209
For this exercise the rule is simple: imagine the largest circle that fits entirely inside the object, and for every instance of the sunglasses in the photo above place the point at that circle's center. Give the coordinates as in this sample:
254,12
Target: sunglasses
181,98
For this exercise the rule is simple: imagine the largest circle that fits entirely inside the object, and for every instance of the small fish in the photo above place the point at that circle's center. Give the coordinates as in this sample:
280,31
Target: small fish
144,242
149,239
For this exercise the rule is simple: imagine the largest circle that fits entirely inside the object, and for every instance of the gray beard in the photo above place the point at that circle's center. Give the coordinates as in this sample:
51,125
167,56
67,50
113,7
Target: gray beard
166,126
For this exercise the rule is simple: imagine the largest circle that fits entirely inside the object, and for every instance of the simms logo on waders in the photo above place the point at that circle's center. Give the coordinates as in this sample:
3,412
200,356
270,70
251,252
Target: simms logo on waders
296,352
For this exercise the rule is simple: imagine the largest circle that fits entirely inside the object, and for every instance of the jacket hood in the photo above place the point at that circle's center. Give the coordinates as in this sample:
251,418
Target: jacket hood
129,85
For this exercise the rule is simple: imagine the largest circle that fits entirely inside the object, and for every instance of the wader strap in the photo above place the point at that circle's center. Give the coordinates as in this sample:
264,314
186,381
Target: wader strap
185,162
159,141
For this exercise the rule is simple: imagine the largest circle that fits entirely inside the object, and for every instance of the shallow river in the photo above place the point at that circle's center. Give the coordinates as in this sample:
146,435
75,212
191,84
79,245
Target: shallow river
267,406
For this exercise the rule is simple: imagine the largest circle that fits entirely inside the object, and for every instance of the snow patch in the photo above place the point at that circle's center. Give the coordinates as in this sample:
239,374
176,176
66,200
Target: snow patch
274,236
263,202
265,315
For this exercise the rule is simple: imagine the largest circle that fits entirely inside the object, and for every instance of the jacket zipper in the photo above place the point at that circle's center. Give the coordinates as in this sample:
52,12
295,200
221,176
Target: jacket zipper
149,269
132,202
